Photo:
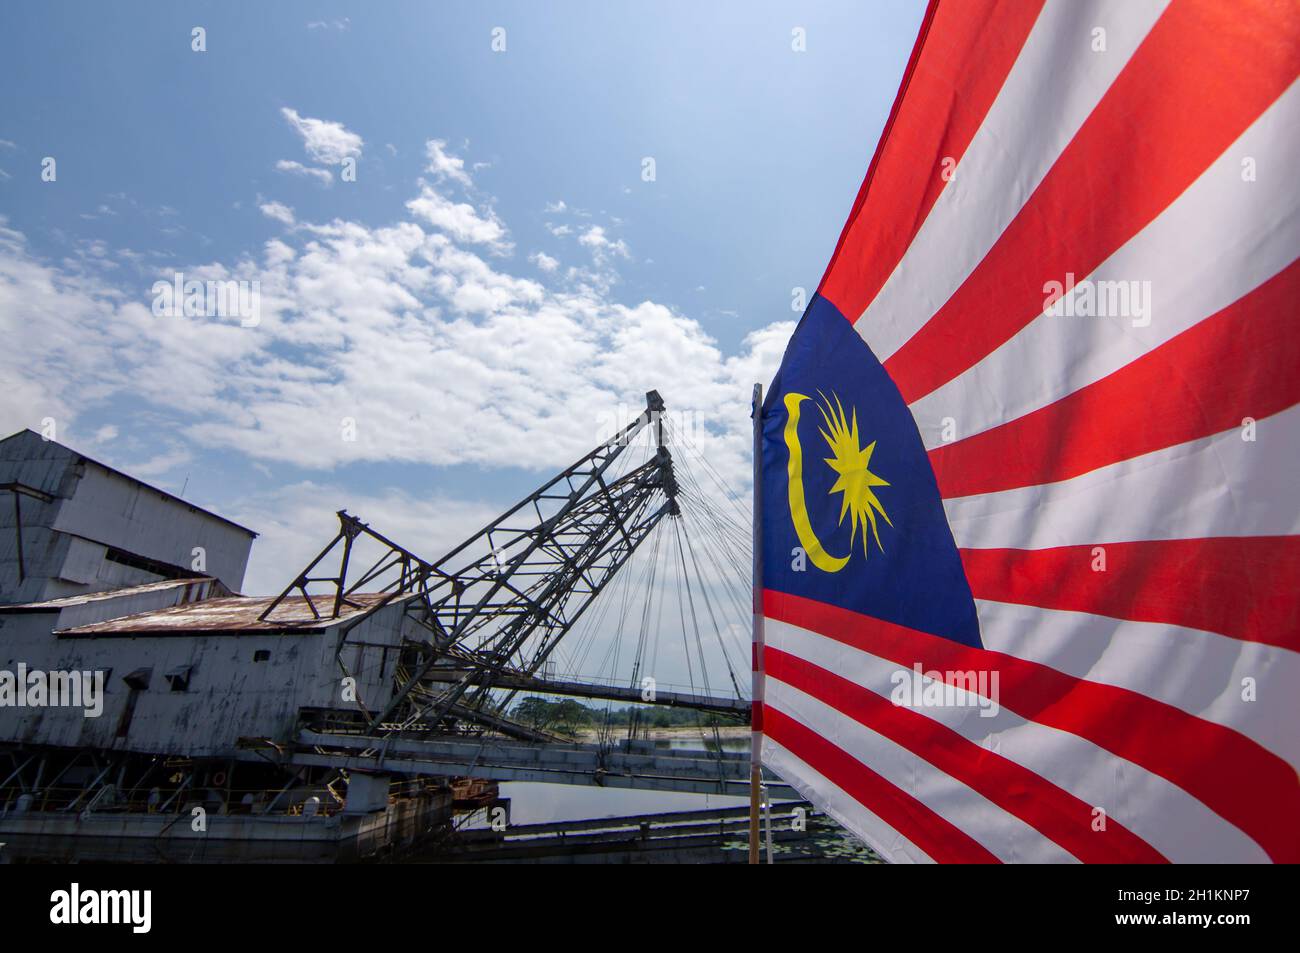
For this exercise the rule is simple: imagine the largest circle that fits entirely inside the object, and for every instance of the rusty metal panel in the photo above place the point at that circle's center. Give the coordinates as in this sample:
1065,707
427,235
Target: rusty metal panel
248,678
230,614
91,607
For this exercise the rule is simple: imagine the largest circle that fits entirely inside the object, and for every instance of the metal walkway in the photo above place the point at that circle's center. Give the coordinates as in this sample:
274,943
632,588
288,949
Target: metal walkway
718,835
636,765
592,689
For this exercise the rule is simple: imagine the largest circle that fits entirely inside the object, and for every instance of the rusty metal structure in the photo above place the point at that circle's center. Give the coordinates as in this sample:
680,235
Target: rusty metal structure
491,611
339,719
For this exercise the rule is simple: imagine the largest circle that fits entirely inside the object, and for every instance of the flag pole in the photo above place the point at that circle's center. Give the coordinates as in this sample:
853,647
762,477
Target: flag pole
756,716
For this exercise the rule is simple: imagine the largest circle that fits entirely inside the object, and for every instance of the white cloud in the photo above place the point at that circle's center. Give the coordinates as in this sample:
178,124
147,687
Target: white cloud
323,176
296,521
444,165
339,25
326,142
104,337
158,465
277,211
460,220
600,244
439,354
434,347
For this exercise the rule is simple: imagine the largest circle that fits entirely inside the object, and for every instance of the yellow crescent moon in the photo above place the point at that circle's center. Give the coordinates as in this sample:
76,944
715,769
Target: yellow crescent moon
798,509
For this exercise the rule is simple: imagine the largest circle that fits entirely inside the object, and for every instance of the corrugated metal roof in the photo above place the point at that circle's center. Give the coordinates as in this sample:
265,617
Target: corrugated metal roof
53,605
230,614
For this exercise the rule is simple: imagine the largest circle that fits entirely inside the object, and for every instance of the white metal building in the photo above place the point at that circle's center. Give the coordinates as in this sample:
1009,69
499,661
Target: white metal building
70,525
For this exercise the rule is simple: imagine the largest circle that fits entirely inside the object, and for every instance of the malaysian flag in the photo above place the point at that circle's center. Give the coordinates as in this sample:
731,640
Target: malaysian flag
1030,571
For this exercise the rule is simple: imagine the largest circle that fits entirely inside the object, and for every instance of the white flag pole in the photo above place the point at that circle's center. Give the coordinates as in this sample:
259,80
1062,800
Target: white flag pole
756,716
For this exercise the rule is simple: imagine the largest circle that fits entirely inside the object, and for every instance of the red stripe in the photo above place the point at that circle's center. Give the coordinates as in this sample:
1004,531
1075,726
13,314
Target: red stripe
943,841
756,716
1204,73
1232,775
961,59
1243,361
909,73
1238,586
1060,816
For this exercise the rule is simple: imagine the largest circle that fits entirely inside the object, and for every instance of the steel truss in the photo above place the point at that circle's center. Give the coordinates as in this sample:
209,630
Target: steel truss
86,781
494,608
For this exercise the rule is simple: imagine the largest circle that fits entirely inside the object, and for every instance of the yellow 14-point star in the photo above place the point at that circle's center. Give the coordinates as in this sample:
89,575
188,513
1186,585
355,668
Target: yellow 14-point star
852,462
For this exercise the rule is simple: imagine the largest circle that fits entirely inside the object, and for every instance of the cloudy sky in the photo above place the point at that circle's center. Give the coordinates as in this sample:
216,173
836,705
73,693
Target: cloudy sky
479,233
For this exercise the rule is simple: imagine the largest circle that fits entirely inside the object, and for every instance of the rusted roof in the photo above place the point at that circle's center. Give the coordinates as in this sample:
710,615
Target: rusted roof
231,614
82,598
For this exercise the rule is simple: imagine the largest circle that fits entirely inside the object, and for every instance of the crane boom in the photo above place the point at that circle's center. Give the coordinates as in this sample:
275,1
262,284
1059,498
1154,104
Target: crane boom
495,607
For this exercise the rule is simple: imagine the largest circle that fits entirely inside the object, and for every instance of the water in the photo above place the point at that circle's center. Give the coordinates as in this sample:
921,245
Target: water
536,803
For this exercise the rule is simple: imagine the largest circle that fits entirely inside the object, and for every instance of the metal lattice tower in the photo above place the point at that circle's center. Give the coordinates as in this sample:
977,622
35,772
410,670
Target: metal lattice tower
495,607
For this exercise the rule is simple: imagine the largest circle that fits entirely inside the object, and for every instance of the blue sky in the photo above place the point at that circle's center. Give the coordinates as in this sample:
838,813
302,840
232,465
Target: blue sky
495,285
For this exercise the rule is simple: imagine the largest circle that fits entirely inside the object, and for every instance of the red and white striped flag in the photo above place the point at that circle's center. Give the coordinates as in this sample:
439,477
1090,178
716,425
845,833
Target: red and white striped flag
1030,468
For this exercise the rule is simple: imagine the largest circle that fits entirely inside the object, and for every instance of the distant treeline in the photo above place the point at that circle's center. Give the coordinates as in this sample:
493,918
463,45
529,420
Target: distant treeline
569,715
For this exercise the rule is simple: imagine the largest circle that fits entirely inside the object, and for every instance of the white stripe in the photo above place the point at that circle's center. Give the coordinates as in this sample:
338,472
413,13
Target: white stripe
1054,85
1156,810
852,815
1222,485
1198,672
1006,836
1215,243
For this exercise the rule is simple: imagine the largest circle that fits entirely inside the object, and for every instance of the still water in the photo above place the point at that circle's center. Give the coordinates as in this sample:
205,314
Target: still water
535,803
532,803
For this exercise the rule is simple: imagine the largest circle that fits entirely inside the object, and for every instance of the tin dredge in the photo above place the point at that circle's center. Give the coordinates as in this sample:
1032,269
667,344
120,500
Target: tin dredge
361,713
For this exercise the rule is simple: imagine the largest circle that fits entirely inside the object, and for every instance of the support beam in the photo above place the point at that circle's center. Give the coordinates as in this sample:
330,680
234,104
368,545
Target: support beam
697,772
739,707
